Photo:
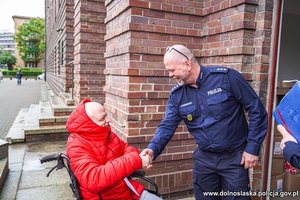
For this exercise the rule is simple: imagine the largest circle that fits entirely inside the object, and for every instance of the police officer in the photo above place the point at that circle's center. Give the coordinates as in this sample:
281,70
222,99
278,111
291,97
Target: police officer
290,147
211,101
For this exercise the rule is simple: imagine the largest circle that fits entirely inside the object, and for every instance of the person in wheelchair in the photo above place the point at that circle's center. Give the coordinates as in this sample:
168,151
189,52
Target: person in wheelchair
101,161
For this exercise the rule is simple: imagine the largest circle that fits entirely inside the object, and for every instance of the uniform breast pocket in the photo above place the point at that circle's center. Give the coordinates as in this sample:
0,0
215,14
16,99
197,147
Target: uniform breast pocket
189,113
220,105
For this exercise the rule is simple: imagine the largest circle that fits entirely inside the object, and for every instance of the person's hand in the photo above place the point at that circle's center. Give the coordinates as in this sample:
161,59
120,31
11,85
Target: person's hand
150,154
146,161
286,136
249,160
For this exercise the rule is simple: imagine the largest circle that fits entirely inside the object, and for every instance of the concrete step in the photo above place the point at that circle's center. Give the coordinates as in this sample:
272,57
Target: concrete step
53,121
3,149
59,108
32,117
16,131
67,98
3,171
45,109
46,133
47,118
61,105
27,118
3,162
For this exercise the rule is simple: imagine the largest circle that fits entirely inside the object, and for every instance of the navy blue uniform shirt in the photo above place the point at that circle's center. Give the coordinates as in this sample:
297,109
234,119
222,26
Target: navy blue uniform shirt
214,113
291,153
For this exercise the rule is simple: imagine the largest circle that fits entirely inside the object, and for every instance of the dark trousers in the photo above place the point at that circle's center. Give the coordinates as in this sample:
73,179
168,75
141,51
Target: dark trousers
19,81
221,173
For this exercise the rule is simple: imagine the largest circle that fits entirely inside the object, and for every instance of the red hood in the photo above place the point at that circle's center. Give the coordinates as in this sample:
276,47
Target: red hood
79,122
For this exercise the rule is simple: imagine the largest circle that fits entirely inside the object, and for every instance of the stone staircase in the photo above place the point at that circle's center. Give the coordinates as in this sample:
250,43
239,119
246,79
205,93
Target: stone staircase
44,121
3,161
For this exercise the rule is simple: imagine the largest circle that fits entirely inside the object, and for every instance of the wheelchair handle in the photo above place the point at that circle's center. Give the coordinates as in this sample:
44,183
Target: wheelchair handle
48,158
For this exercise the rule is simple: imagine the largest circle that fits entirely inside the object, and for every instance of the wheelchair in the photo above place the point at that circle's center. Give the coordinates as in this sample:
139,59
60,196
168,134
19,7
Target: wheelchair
63,161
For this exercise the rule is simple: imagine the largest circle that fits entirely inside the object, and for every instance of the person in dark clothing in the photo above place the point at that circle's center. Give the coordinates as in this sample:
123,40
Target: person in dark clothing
212,102
19,77
290,147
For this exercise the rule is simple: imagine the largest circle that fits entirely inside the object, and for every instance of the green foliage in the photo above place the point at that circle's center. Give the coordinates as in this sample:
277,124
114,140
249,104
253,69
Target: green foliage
7,58
30,38
27,72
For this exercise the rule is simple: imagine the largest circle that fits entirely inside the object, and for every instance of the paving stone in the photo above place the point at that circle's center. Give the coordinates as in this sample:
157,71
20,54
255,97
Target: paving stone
37,178
9,190
16,153
54,192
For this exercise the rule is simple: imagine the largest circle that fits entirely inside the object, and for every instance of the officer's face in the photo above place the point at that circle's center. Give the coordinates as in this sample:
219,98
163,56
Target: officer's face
178,69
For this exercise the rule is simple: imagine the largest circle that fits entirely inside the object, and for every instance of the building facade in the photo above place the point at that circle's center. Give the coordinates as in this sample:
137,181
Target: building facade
111,51
7,42
18,20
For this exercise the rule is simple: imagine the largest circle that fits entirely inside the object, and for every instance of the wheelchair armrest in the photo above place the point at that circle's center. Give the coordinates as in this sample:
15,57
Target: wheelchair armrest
138,174
141,174
49,158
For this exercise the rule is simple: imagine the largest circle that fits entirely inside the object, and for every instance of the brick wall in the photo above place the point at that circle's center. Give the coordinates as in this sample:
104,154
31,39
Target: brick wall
89,47
59,37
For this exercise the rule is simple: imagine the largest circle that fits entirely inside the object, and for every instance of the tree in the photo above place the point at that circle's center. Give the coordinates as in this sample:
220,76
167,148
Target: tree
7,58
30,38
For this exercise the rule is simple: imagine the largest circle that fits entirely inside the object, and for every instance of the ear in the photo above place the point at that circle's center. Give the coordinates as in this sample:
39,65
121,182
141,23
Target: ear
189,65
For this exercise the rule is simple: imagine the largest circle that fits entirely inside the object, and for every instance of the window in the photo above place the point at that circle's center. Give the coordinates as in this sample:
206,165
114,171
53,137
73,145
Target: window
31,65
61,49
55,61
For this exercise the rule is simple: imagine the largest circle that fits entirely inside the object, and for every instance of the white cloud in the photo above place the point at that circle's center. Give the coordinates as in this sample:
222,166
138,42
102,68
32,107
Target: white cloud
29,8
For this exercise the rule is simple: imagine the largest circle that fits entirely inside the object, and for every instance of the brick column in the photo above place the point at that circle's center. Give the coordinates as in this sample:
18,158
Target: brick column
137,85
89,47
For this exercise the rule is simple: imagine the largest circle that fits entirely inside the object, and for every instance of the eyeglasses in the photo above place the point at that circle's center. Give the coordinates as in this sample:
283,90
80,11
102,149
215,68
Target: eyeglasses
169,49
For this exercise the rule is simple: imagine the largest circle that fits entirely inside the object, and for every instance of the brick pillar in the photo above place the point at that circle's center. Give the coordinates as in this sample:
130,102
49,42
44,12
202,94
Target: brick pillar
89,47
137,85
68,54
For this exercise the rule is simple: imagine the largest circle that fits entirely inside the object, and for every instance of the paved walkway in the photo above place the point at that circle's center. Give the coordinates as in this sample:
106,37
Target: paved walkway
13,98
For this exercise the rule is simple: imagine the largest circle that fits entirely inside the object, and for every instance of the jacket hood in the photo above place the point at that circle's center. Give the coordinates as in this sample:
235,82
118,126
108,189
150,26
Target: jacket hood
79,122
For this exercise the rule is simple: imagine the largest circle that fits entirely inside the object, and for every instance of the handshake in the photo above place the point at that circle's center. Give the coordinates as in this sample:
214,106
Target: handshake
147,157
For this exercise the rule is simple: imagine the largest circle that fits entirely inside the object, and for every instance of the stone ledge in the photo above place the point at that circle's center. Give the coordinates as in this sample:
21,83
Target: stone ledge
46,130
3,171
67,98
54,120
3,149
59,108
16,131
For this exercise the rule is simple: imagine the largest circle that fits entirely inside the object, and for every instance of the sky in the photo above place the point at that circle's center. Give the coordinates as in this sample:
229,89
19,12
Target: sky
28,8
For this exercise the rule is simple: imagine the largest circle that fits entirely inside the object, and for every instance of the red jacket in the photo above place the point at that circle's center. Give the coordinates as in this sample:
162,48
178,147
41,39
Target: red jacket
100,160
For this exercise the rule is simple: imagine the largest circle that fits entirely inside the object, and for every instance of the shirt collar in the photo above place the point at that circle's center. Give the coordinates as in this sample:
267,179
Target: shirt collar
202,75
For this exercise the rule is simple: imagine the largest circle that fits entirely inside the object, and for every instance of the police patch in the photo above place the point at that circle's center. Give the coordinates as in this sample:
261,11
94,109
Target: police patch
189,117
214,91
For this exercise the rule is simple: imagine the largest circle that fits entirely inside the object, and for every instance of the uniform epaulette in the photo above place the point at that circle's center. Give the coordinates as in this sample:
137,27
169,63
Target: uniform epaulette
218,69
176,87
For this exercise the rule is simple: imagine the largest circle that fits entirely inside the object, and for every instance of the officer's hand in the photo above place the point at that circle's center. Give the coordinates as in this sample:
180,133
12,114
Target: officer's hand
286,136
249,160
148,152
